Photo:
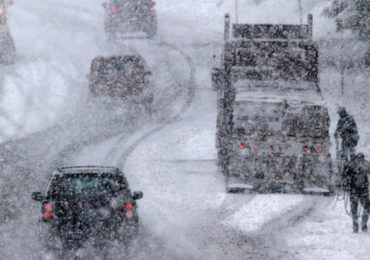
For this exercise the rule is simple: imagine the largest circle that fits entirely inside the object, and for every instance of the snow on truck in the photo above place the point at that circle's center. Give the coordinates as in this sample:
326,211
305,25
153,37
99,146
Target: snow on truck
272,123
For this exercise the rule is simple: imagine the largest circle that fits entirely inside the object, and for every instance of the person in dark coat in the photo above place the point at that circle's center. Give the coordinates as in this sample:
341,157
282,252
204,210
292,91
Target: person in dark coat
357,185
347,131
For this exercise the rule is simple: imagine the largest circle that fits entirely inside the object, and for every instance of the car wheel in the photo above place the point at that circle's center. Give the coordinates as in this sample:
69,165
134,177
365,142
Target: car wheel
111,36
53,242
151,30
110,33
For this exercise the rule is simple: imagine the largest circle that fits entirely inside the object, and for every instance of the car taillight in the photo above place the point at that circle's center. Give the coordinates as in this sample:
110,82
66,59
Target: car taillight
128,207
114,10
320,150
255,147
305,148
241,145
48,210
151,9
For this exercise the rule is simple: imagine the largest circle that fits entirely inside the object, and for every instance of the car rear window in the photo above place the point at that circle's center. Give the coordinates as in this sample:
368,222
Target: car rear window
120,68
71,186
132,2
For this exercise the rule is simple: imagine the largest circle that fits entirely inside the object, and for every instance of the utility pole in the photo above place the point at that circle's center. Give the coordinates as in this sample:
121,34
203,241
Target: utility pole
300,11
236,11
341,63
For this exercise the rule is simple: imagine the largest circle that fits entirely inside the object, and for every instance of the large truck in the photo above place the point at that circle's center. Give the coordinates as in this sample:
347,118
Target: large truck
272,123
7,46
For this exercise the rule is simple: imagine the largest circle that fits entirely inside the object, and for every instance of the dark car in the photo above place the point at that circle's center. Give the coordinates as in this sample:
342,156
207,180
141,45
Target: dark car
129,16
126,77
88,202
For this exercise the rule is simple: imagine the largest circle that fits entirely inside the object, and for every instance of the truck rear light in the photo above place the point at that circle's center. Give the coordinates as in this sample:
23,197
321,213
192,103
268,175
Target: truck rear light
320,150
128,206
114,10
241,145
255,147
48,214
305,148
48,207
129,214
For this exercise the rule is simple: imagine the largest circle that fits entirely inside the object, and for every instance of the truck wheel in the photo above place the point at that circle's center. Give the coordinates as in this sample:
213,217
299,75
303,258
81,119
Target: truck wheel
110,34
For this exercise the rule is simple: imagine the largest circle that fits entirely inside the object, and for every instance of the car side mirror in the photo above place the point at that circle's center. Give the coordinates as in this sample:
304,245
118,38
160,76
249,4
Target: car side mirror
105,5
37,196
137,195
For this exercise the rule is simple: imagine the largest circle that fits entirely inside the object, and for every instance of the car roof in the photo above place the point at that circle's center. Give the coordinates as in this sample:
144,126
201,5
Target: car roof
88,169
131,1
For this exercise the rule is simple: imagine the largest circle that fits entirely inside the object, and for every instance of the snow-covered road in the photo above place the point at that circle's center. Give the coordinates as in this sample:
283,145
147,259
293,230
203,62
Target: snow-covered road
185,212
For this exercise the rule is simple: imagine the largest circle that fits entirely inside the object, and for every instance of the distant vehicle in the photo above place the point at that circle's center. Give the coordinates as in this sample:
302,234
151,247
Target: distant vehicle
272,121
84,202
126,77
7,46
129,16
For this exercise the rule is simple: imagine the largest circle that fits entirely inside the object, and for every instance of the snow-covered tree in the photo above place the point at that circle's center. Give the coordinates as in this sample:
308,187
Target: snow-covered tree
353,15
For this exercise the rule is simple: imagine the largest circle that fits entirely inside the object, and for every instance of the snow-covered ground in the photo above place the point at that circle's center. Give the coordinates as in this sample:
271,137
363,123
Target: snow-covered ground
55,43
326,233
185,212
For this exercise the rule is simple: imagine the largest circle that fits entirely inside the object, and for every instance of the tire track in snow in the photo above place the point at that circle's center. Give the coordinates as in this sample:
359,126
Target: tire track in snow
190,88
274,229
154,246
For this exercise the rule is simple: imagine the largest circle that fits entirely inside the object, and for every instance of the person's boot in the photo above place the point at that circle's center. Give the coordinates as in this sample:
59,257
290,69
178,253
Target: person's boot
364,226
355,226
364,219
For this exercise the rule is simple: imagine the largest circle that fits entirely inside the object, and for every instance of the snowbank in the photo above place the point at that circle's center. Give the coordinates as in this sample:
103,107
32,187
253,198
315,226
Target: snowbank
262,210
327,234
